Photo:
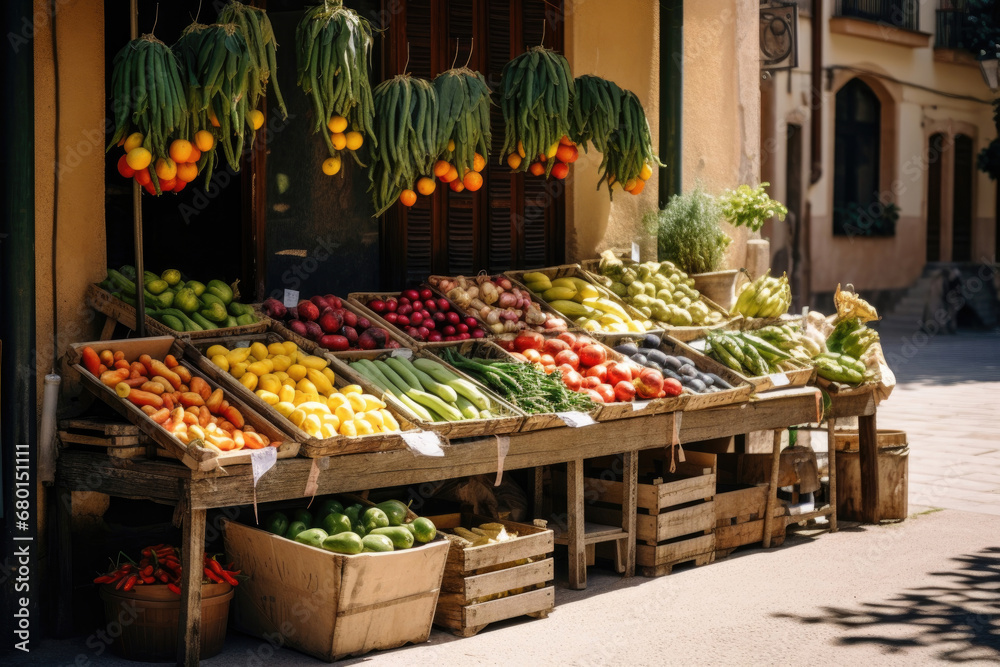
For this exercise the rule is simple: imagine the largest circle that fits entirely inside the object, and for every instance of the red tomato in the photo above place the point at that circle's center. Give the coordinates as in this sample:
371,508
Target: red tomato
607,393
532,355
568,357
619,373
592,355
600,371
124,169
594,395
625,392
547,360
528,340
554,346
649,384
672,387
567,337
142,177
573,380
591,382
506,344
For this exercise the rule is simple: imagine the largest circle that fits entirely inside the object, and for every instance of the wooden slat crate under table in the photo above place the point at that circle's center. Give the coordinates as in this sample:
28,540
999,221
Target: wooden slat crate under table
739,518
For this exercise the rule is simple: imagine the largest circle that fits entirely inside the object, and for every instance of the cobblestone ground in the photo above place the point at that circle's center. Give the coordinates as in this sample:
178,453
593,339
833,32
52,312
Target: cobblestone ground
948,402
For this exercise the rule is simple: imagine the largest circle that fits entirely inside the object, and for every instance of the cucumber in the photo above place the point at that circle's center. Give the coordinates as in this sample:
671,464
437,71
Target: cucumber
202,322
405,370
377,543
401,537
423,529
433,402
172,322
460,385
468,410
189,324
395,510
344,543
425,381
245,319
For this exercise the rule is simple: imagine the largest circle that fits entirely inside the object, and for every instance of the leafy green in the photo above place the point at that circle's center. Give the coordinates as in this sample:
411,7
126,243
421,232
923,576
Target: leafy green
750,207
688,232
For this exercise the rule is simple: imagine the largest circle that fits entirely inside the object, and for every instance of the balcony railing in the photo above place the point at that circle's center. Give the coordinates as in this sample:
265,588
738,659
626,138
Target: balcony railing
953,29
898,13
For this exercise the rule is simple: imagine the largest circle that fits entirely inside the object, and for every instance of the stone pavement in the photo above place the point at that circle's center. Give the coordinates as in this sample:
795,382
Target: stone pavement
948,401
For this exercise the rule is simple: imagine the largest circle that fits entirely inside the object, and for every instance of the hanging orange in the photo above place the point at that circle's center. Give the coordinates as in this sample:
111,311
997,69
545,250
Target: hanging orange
180,151
441,168
456,185
473,181
187,172
426,186
407,197
514,161
452,174
536,169
560,170
478,162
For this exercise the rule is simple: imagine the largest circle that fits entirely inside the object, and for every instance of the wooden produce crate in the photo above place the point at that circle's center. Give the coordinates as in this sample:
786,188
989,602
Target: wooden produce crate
197,458
102,301
740,393
506,419
802,375
592,273
739,517
313,347
576,271
117,439
331,605
311,446
486,584
359,299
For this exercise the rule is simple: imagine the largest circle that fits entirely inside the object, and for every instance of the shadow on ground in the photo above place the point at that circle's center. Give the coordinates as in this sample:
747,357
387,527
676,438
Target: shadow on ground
961,612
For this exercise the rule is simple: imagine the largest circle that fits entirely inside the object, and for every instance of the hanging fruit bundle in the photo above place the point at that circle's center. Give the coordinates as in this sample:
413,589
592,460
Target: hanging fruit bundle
629,158
464,135
256,29
149,109
333,47
536,91
596,108
406,133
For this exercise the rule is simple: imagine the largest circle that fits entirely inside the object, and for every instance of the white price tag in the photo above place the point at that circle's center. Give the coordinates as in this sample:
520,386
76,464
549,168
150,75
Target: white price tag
291,298
778,379
635,251
403,352
262,460
425,443
639,405
575,419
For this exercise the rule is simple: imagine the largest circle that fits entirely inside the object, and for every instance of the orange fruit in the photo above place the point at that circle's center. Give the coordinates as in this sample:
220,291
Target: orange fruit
167,184
559,170
138,158
640,184
567,154
536,169
166,169
337,125
426,186
187,172
204,140
473,181
195,154
124,169
630,184
180,151
478,163
339,140
514,161
179,185
456,186
441,168
354,140
133,140
256,119
331,166
408,197
142,176
452,174
646,172
565,141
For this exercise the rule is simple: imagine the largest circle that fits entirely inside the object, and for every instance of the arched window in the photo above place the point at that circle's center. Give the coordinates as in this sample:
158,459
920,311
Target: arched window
857,209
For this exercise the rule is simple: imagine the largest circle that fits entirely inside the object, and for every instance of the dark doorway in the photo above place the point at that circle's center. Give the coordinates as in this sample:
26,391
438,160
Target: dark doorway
961,249
793,193
856,159
935,150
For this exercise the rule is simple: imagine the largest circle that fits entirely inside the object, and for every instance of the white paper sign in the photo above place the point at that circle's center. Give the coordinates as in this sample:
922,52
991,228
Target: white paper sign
635,251
425,443
403,352
291,298
575,419
778,379
639,405
262,460
503,446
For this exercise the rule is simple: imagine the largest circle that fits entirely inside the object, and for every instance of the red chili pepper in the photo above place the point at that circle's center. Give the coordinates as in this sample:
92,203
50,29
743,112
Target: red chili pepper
130,582
105,579
148,580
174,588
214,565
121,582
161,575
127,567
229,579
147,571
147,552
212,576
144,562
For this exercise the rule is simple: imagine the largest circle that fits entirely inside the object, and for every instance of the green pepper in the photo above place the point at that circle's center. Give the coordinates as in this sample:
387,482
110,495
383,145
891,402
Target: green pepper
197,287
215,312
221,290
187,300
231,321
202,322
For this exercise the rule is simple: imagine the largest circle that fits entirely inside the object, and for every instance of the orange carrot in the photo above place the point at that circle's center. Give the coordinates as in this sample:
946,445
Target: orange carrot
201,387
141,398
252,440
170,360
160,416
121,363
159,368
136,381
112,378
204,416
107,358
119,355
233,415
189,398
153,387
183,373
168,400
91,361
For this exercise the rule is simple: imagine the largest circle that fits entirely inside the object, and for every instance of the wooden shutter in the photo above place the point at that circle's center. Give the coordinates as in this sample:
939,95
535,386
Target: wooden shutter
513,221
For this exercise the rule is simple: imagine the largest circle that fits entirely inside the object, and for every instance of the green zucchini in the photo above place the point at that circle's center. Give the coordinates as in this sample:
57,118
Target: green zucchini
460,385
392,376
449,412
428,383
405,370
467,408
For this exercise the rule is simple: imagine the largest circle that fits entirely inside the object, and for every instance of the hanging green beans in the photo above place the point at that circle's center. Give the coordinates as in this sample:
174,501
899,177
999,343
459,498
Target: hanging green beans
629,157
259,35
596,108
464,134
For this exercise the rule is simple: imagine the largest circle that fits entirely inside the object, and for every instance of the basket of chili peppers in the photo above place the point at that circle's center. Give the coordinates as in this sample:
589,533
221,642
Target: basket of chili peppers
142,604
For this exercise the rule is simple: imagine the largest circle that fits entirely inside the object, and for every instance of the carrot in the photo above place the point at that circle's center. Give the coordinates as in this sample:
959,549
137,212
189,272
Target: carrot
149,410
184,374
201,387
91,361
119,355
121,363
138,369
136,381
171,361
153,387
107,357
190,419
189,398
159,368
112,378
160,416
140,398
204,416
252,440
226,426
239,439
102,369
233,415
168,400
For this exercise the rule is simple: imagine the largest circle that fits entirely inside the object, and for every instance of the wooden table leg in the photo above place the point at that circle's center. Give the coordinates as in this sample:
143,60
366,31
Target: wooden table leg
831,445
539,491
192,557
630,479
772,489
868,456
575,525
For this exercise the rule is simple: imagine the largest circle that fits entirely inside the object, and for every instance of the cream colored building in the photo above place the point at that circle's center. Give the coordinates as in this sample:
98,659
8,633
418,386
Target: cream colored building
899,114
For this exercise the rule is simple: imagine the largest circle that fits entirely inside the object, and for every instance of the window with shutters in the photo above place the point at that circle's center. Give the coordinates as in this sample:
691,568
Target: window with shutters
514,221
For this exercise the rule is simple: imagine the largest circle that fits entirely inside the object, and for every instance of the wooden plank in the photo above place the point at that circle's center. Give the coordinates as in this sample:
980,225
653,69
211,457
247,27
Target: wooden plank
868,447
652,528
772,489
575,532
88,471
741,502
192,555
595,533
100,425
831,443
99,440
730,537
519,576
630,475
663,554
809,516
778,409
653,497
509,607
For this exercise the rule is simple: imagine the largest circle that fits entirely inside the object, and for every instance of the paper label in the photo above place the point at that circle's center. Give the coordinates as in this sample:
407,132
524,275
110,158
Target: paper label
291,298
778,379
262,460
575,419
635,252
503,446
403,352
425,443
242,343
639,405
312,482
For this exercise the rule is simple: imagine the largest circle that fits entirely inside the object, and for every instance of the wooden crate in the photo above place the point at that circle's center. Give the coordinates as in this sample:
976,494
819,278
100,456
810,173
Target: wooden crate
311,446
103,301
802,375
739,518
360,299
590,269
331,605
507,418
196,458
117,439
534,298
475,573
